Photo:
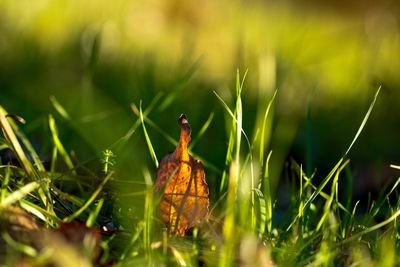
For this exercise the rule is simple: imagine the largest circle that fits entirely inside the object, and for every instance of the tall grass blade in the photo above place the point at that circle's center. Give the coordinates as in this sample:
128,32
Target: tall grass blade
336,167
371,106
12,138
59,145
262,212
95,213
265,132
148,214
226,257
148,141
267,193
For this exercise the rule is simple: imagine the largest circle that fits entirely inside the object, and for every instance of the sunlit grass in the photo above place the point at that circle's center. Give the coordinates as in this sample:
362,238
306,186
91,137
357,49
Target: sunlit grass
245,225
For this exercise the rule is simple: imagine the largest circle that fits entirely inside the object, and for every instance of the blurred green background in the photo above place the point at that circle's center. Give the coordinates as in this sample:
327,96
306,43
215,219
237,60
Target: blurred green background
97,57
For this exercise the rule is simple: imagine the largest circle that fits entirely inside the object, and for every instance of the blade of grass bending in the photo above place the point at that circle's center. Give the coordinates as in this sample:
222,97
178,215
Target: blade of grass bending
371,106
19,194
231,144
148,141
262,140
59,145
335,168
90,200
348,150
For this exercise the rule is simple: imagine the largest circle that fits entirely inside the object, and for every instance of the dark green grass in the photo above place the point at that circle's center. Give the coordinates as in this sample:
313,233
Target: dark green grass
247,224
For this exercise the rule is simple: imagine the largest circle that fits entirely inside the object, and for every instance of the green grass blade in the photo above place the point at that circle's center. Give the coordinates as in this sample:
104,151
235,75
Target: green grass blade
59,108
24,140
329,202
267,193
148,213
323,184
262,212
172,140
203,129
39,212
95,213
371,106
228,159
335,168
59,145
372,228
90,200
18,194
154,126
148,141
265,133
122,141
233,116
4,184
9,134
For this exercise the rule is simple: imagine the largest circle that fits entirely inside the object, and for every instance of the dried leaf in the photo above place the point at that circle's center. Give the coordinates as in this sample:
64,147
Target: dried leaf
185,198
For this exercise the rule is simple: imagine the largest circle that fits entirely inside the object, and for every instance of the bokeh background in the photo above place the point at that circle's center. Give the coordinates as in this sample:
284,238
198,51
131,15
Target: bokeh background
96,58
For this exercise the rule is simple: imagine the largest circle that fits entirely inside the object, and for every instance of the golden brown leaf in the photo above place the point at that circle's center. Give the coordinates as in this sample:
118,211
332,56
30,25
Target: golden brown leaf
185,198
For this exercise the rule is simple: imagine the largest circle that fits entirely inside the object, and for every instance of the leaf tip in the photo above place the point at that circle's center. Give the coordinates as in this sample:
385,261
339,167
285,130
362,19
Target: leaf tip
184,123
182,119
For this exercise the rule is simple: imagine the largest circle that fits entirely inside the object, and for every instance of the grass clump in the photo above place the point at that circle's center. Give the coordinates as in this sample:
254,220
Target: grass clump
79,213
